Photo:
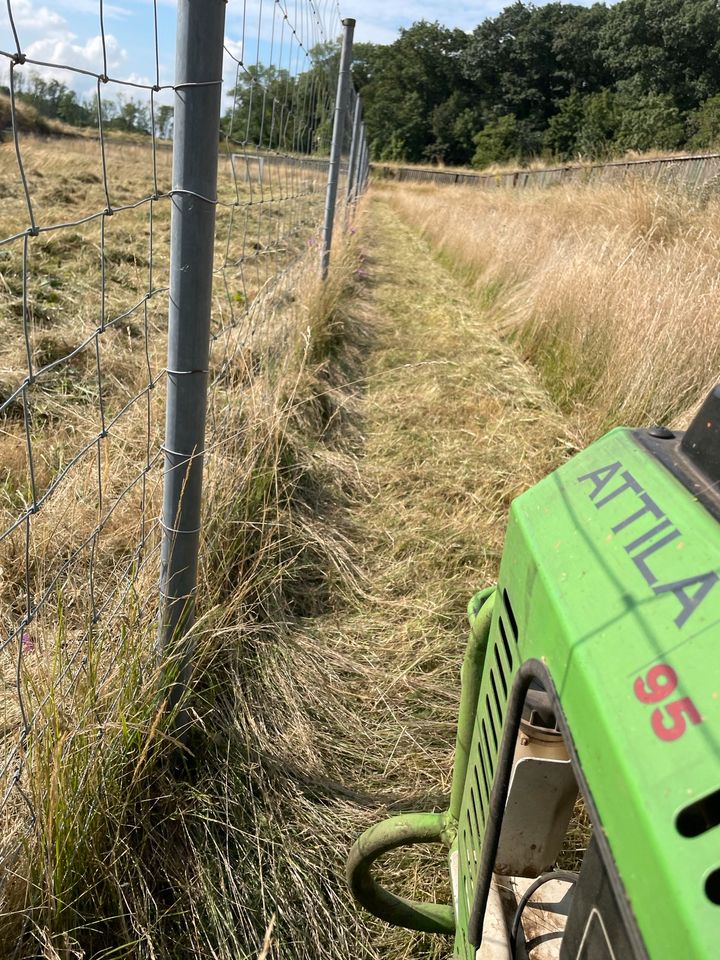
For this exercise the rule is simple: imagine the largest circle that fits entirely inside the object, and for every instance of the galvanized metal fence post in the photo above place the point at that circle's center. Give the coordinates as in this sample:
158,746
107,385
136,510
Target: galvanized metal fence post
364,165
200,31
355,152
341,100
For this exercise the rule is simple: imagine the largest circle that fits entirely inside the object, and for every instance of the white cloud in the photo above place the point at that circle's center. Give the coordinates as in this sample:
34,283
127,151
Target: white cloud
65,51
164,96
42,23
38,19
376,33
29,19
233,50
47,36
111,11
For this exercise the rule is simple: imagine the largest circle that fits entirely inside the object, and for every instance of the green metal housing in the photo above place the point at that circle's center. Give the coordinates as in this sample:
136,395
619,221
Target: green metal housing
609,582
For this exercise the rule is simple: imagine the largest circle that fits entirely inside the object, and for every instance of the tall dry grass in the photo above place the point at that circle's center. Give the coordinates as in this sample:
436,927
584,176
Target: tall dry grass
117,841
142,847
533,163
611,291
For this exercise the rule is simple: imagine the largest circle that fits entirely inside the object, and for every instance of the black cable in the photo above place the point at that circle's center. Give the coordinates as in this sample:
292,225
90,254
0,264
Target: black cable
525,898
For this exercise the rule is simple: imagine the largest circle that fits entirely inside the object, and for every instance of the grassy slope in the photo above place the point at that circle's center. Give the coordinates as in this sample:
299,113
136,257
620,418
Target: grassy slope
455,425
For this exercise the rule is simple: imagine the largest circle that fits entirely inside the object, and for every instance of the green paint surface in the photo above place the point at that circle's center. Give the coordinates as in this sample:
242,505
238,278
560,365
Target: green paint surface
601,600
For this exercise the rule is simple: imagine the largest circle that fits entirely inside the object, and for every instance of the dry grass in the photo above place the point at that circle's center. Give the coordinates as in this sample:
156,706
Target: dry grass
338,557
366,439
121,856
115,270
28,119
62,300
126,857
610,290
535,163
539,163
455,426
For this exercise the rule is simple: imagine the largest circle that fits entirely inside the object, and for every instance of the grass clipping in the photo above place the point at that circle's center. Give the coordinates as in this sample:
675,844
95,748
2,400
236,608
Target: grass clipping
126,858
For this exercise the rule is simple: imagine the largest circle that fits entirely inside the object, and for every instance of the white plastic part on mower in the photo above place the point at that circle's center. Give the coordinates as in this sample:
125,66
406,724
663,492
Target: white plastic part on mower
542,923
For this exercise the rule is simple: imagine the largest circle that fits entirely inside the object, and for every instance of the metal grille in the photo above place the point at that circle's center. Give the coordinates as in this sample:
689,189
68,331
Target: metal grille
500,666
274,169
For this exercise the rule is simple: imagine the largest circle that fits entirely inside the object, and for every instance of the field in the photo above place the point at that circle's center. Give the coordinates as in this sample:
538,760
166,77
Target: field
366,440
609,291
83,310
110,274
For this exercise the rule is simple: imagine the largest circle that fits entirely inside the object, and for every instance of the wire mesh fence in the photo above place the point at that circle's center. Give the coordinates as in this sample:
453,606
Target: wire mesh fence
85,262
691,171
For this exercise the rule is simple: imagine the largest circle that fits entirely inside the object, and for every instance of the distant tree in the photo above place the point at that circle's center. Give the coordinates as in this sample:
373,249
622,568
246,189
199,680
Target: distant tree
273,110
452,126
262,106
498,142
128,115
164,120
528,59
53,99
70,111
392,151
649,122
404,86
109,110
578,80
310,127
577,48
665,46
600,120
704,124
563,129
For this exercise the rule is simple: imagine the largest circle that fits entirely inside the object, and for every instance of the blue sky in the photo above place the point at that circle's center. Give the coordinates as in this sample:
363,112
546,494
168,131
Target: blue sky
68,32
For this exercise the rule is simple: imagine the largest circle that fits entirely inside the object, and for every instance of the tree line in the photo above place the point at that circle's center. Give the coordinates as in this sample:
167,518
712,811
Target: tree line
269,108
53,100
560,80
272,109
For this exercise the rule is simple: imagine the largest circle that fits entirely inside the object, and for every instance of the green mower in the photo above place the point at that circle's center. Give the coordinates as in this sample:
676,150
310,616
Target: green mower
592,671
